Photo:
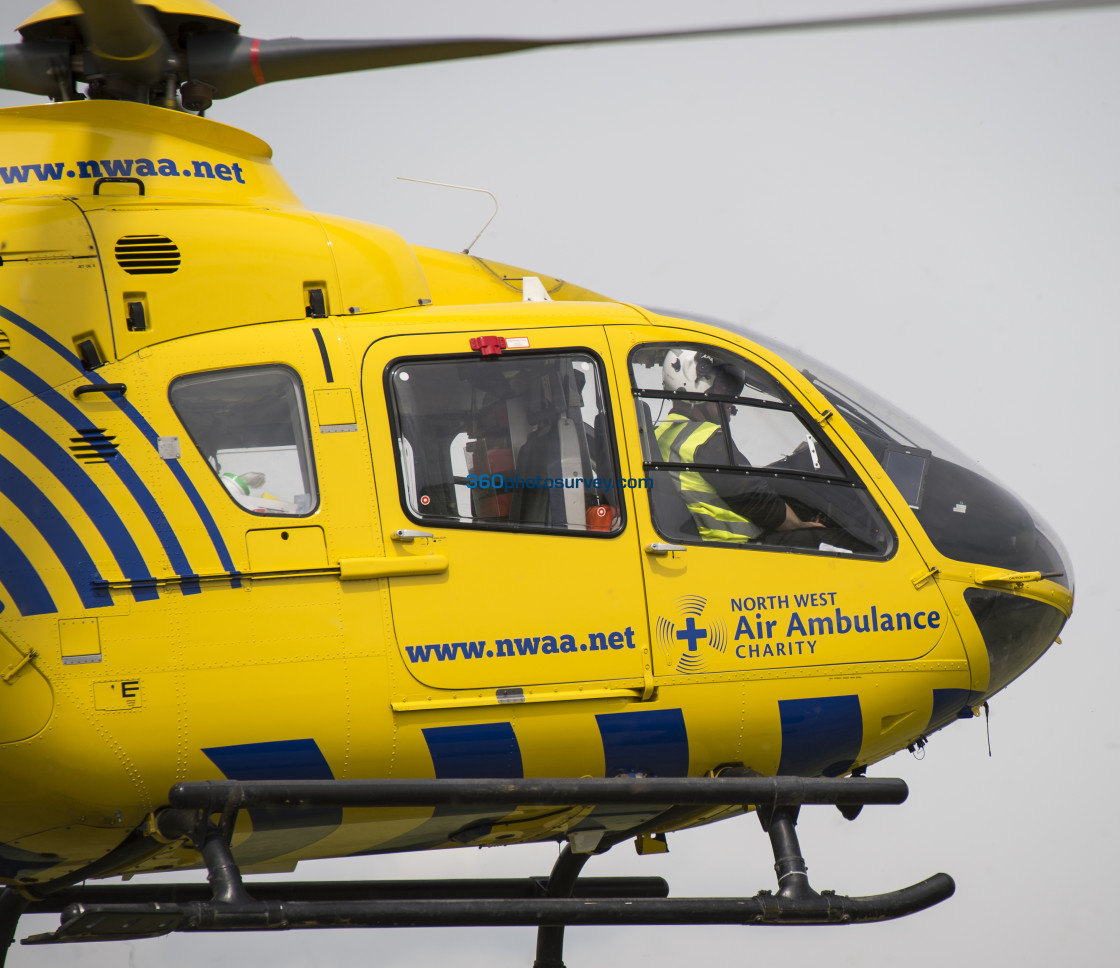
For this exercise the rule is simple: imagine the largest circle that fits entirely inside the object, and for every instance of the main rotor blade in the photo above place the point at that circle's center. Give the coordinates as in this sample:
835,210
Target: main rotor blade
33,67
124,40
232,64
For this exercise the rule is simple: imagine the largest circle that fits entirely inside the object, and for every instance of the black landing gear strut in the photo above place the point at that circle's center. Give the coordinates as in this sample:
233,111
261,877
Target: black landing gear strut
117,912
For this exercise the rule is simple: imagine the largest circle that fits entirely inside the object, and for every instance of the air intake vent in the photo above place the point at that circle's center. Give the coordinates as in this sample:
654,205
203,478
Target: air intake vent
5,344
93,446
147,255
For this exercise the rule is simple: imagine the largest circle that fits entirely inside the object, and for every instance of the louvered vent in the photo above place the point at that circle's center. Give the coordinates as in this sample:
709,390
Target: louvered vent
147,255
5,344
93,446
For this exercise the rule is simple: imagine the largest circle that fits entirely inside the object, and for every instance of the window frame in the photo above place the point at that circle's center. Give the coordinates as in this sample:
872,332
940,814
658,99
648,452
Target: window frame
395,430
310,468
845,476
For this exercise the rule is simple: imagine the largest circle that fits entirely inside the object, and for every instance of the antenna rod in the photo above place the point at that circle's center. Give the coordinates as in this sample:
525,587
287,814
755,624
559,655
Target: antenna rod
464,188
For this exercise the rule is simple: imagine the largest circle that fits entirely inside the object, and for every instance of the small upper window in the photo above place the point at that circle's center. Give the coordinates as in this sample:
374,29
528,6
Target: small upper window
251,426
733,460
519,441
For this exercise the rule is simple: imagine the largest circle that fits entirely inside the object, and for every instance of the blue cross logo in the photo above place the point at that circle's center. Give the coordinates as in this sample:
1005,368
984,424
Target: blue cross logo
692,633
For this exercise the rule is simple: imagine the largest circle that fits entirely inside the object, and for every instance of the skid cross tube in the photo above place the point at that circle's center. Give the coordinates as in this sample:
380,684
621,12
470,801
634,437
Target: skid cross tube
214,796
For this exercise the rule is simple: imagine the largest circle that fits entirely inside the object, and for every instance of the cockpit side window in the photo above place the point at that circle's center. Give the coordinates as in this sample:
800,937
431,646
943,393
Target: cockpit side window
250,424
518,442
733,460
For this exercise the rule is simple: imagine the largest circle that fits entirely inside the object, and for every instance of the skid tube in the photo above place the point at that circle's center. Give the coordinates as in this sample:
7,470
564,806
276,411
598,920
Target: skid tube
205,813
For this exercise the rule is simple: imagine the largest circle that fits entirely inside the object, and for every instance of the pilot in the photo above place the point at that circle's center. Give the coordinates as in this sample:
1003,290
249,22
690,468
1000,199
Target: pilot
727,507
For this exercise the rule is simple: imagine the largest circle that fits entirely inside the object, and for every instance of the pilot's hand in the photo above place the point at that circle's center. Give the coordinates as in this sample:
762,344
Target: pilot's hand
793,522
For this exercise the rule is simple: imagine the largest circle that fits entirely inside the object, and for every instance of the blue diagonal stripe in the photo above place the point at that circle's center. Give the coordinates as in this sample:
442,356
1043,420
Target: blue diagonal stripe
284,759
180,475
87,494
78,420
128,476
56,531
22,582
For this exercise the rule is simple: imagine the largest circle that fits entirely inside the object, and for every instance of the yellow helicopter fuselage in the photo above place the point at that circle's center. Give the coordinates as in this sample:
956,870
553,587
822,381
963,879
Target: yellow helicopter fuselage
168,613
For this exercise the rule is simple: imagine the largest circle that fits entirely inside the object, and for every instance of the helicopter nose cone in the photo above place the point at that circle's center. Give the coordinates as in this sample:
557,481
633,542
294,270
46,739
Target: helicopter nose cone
973,518
1016,632
970,517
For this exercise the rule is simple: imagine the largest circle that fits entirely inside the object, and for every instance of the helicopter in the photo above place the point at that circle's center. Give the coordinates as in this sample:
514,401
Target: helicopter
775,388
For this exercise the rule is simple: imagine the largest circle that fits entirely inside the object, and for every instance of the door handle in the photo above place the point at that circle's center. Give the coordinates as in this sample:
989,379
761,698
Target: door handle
661,548
408,534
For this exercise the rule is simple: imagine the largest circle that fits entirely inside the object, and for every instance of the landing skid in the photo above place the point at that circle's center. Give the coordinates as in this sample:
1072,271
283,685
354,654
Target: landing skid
205,814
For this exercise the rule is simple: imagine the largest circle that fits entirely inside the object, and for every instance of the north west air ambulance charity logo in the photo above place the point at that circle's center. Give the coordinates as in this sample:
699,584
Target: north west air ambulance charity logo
688,639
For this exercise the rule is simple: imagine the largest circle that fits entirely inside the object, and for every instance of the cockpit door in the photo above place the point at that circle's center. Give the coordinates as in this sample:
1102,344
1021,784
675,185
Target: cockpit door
505,466
764,550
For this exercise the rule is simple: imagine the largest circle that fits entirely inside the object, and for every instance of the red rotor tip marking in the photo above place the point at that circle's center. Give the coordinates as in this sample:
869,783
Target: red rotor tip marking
255,62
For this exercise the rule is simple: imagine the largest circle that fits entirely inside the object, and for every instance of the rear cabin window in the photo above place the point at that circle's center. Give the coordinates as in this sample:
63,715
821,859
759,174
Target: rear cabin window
733,460
250,425
515,442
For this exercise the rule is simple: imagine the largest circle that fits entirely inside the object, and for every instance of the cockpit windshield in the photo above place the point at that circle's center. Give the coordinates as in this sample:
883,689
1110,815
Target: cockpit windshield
967,514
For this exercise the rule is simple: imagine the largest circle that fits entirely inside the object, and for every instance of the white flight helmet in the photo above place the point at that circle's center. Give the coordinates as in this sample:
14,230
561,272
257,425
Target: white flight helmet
688,371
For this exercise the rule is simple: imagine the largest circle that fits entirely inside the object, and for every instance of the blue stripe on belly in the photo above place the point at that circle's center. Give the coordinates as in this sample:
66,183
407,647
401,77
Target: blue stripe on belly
279,830
820,737
652,742
481,750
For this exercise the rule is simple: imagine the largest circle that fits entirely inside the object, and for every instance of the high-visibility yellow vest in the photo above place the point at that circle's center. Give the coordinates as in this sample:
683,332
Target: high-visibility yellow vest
678,439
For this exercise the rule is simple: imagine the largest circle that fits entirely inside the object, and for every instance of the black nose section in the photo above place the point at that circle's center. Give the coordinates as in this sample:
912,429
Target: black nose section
971,517
1016,632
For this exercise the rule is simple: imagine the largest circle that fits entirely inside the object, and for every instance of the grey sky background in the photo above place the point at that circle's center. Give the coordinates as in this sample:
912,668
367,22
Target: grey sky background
934,211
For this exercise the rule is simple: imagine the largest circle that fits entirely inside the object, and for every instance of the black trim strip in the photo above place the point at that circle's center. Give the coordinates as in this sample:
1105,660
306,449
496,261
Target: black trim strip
802,475
107,583
323,353
716,398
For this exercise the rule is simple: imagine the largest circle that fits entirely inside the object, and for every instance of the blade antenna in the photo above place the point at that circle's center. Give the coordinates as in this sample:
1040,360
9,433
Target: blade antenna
464,188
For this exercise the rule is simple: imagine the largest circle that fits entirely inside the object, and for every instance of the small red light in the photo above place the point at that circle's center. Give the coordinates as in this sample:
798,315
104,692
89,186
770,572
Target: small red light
489,345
